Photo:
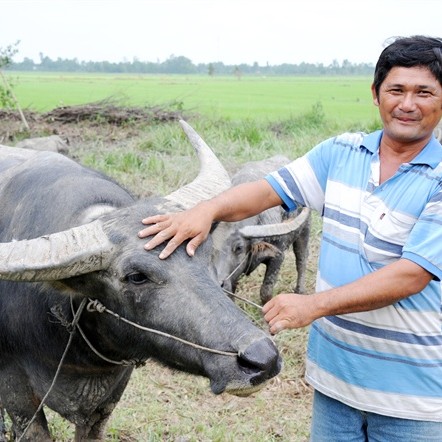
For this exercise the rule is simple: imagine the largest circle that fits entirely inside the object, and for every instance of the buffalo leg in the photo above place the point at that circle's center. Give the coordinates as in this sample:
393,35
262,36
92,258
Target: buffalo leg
21,403
273,267
94,430
300,250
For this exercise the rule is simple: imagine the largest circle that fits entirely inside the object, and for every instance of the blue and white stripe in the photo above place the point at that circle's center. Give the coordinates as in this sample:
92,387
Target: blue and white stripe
388,360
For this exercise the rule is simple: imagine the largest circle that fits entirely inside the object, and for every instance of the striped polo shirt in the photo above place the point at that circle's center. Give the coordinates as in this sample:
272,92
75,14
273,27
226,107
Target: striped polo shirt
389,360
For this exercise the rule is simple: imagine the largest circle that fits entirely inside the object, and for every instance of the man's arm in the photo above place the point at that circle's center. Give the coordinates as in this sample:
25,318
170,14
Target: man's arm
235,204
383,287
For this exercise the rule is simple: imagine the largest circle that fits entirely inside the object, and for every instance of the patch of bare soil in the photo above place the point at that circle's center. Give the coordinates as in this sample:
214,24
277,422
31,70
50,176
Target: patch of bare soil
82,122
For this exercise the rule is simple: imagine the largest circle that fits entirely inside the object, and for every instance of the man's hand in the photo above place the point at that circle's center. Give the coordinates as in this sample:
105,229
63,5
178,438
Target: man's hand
194,224
289,310
235,204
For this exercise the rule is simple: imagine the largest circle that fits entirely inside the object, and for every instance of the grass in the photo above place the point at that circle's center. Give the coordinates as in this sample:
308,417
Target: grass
344,99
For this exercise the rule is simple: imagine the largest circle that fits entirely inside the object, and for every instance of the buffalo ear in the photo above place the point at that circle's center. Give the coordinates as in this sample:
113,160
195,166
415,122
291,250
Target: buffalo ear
261,252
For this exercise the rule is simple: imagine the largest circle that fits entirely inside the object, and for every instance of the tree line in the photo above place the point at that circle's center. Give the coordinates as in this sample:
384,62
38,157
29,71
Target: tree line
183,65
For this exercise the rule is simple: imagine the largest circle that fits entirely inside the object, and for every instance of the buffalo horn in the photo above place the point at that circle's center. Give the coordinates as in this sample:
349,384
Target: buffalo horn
211,180
267,230
86,248
61,255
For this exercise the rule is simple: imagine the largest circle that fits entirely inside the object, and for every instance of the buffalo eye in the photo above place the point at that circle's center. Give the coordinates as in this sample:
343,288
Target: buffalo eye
137,278
238,249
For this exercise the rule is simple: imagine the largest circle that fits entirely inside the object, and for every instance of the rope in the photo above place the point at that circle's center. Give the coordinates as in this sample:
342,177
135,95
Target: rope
238,266
247,301
124,362
97,306
74,323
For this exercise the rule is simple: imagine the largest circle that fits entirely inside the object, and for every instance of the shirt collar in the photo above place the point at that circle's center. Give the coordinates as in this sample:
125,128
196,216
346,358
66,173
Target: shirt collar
430,155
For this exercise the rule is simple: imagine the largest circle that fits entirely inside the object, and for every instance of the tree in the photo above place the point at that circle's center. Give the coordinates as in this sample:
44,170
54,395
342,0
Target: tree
237,72
178,65
211,69
7,97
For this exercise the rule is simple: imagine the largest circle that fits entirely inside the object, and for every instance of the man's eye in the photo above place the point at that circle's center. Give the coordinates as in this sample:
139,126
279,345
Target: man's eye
137,278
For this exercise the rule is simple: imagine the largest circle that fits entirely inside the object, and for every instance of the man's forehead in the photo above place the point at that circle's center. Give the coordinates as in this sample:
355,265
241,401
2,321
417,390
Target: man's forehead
416,76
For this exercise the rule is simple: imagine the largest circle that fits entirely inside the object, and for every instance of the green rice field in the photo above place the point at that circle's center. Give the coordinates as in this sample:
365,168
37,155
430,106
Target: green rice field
343,99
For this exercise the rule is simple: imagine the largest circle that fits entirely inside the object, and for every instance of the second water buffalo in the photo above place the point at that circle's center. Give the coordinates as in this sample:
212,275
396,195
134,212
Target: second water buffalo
240,247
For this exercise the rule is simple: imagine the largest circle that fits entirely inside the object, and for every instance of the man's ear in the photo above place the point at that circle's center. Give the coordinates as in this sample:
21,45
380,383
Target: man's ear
374,95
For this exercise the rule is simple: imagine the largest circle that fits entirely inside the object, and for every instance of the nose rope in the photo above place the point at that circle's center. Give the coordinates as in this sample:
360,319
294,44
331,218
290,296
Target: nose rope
238,266
96,306
233,295
247,301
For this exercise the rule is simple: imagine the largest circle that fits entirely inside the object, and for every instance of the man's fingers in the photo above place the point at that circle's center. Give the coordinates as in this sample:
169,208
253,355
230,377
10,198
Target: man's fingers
278,326
154,219
169,249
162,223
149,231
159,237
274,316
173,228
193,244
270,311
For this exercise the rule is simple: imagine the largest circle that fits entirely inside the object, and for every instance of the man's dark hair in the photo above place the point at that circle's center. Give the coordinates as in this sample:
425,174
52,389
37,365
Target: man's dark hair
408,52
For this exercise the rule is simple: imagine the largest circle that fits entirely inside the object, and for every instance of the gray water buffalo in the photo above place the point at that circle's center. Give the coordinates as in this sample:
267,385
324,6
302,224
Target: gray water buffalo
82,303
240,247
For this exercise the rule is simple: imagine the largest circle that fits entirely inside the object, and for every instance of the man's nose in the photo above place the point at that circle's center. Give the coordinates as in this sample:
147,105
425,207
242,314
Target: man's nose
408,102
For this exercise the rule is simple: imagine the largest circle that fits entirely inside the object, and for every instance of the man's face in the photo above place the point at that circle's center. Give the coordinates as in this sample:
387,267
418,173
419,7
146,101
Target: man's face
410,104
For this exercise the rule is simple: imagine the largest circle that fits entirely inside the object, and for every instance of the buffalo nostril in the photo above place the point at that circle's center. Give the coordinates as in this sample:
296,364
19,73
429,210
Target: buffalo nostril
247,367
260,358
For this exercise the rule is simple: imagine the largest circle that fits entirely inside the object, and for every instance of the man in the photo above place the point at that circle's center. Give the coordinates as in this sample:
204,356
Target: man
375,346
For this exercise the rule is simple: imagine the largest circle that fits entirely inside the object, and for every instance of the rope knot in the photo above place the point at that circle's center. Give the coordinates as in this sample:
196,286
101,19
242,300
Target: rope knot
137,363
95,306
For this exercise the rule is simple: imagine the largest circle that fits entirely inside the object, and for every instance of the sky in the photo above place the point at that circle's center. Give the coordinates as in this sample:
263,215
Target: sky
205,31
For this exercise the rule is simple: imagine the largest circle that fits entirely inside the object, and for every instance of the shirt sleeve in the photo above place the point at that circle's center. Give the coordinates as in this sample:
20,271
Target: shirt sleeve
424,244
303,181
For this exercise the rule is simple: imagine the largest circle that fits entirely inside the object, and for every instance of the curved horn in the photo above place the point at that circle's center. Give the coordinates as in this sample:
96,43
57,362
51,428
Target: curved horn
211,180
60,255
266,230
86,248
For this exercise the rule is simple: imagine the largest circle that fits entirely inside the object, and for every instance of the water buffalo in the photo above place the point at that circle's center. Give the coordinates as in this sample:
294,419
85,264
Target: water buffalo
240,247
69,236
